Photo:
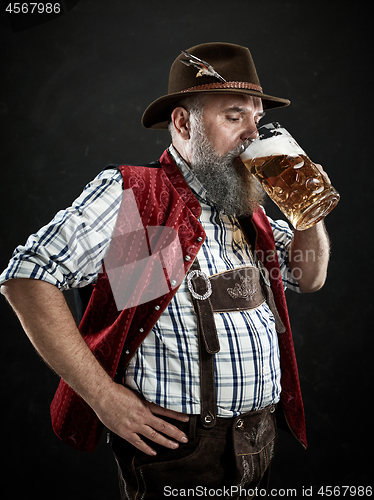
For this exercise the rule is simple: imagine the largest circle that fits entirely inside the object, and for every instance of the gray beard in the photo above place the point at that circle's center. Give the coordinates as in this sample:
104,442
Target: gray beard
229,185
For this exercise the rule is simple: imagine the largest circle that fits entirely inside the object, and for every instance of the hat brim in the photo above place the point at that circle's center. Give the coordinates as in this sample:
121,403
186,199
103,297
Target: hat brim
157,115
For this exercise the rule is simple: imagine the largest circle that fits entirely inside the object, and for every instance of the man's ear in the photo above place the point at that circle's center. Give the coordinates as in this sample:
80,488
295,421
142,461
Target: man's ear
181,121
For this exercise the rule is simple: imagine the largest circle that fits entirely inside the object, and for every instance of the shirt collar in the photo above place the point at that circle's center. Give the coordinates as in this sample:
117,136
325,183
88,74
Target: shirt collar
191,179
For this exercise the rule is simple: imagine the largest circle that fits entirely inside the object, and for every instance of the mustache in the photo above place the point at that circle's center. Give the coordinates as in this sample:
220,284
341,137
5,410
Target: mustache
245,144
234,153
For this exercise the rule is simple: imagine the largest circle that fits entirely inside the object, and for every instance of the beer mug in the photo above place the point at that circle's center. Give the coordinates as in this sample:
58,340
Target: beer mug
289,177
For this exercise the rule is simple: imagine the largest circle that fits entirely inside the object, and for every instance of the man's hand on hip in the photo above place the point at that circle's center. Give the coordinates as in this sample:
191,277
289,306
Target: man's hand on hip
128,415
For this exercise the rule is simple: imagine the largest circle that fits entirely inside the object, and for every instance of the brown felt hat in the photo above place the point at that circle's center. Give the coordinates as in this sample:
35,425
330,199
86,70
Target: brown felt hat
210,68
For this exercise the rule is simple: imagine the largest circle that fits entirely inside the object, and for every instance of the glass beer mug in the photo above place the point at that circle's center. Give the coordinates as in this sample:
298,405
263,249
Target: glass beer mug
289,177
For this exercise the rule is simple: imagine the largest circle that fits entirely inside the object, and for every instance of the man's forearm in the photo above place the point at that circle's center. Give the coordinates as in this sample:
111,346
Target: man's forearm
47,320
49,324
309,257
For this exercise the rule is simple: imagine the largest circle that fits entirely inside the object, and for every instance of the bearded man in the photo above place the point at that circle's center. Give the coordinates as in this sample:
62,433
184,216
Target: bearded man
187,370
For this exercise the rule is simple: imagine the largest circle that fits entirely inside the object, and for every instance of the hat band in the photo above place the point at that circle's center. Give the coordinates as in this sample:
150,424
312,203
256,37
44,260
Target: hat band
226,85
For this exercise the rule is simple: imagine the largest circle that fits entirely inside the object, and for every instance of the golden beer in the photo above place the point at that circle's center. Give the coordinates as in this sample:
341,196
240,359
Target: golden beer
292,180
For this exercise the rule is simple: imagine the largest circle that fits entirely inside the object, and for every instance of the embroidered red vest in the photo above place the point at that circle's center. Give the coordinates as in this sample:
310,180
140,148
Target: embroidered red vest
163,200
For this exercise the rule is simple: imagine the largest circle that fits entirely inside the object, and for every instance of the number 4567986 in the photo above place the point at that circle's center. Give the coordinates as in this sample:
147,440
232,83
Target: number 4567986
33,8
345,491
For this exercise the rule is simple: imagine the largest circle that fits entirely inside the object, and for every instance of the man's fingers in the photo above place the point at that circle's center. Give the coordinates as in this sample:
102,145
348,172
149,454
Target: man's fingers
159,410
141,445
168,430
132,418
159,433
136,439
155,436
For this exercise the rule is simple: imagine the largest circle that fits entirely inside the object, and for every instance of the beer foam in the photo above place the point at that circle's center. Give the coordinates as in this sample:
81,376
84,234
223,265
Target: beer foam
281,143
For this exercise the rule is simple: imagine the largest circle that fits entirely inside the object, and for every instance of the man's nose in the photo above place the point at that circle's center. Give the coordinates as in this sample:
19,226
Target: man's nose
249,130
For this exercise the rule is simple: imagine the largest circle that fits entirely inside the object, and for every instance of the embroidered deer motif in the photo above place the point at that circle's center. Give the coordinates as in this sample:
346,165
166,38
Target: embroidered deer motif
243,290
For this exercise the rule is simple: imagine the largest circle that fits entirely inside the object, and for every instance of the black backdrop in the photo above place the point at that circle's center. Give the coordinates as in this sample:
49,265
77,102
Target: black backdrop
74,89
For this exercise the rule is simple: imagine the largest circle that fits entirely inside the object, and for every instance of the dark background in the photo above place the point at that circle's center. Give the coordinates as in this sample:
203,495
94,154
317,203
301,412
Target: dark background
73,92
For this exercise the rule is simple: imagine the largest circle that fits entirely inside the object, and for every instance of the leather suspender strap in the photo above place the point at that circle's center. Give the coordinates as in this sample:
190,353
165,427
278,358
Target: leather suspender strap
279,326
250,235
208,343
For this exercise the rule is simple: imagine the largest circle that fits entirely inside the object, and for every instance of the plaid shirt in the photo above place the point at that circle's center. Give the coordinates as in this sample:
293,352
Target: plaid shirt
68,252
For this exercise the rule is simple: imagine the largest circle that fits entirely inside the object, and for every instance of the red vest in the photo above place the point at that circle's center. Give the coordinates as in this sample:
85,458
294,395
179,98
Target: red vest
163,199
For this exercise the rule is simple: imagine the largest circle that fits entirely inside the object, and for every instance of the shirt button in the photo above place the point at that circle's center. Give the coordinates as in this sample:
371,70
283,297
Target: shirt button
141,330
127,351
157,308
199,238
187,258
173,282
